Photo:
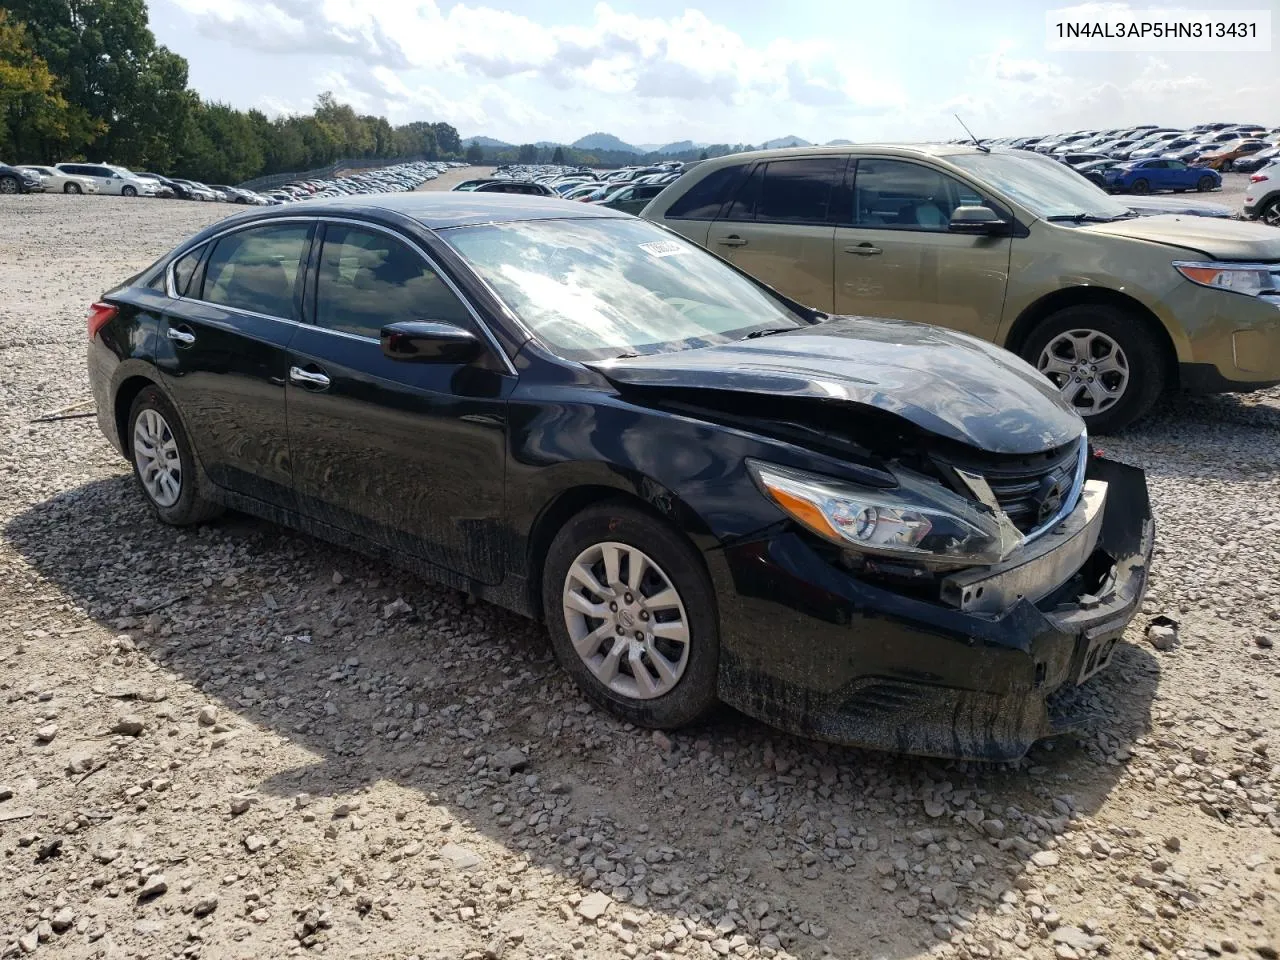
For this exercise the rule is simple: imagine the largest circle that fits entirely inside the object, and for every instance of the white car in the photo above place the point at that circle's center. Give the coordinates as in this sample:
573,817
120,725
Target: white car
55,181
111,179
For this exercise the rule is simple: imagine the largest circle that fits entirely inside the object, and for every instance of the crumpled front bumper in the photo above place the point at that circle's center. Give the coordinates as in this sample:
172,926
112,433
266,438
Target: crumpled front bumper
811,648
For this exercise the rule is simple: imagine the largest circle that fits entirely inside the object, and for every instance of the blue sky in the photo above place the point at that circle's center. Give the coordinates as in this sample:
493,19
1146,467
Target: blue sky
706,70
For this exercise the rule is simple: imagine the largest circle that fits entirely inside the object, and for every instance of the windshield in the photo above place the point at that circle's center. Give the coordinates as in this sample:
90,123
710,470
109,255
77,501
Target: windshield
1045,187
593,289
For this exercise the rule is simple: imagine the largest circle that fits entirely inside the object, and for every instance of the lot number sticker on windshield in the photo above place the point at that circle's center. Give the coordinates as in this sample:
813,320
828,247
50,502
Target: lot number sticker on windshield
663,248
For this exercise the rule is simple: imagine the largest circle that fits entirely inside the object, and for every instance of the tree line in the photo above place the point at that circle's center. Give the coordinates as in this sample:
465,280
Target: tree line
573,156
86,80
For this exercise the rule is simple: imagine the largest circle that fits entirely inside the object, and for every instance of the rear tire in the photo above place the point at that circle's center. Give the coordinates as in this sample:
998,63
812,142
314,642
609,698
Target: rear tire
1140,187
1227,166
1205,184
1270,214
685,689
1096,324
128,192
179,501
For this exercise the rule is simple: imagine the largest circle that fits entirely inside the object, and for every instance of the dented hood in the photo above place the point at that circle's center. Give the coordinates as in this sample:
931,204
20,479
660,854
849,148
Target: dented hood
946,383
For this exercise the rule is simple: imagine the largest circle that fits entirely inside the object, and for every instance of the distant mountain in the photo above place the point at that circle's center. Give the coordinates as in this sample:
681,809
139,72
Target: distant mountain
486,142
839,143
680,146
603,141
791,141
548,144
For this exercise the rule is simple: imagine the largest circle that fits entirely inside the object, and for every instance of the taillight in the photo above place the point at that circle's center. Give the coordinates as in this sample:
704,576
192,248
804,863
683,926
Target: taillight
99,315
1258,178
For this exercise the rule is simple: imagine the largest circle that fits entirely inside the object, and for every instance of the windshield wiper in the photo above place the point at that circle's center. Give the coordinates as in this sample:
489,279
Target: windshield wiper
767,331
1088,218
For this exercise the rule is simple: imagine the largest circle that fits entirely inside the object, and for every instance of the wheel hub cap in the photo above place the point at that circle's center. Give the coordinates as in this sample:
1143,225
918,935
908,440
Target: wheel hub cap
155,451
626,620
1088,368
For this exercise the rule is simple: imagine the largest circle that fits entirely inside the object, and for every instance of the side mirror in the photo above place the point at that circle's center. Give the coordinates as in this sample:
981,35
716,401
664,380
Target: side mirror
429,341
976,221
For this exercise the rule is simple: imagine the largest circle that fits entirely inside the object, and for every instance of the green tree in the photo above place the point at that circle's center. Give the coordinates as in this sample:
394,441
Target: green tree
447,139
112,68
558,155
702,155
35,118
528,153
475,154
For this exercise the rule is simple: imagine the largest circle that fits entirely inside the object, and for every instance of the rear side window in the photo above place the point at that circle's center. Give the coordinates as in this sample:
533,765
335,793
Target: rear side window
798,191
704,199
257,269
184,268
368,280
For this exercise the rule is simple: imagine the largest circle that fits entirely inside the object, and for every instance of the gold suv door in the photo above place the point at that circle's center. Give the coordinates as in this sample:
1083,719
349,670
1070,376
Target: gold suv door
896,257
779,228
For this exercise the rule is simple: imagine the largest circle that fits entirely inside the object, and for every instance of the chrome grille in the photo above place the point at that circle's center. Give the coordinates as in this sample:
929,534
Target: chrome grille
1033,490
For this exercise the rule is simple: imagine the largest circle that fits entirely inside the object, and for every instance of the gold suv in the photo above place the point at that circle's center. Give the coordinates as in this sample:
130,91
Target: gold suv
1008,246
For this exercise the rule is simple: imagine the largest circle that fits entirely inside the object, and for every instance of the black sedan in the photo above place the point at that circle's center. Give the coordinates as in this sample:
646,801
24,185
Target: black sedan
18,180
866,531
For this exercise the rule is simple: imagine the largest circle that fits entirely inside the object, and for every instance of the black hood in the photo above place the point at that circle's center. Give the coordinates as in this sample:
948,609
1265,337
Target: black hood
946,383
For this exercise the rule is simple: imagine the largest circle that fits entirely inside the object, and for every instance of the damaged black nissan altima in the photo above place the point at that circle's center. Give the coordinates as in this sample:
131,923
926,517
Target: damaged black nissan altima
866,531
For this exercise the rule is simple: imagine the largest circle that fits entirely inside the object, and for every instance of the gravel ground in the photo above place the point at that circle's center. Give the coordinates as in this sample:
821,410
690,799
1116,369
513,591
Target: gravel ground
238,742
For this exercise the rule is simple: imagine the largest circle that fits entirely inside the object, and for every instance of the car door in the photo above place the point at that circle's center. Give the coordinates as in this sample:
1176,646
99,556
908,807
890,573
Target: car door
894,255
778,229
221,350
1156,173
693,210
408,455
1178,176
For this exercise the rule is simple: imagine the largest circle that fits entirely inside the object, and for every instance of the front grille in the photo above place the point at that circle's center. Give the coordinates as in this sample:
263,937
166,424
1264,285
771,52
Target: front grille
1030,489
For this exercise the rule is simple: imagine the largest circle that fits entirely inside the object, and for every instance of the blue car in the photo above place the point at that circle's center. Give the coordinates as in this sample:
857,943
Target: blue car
1161,173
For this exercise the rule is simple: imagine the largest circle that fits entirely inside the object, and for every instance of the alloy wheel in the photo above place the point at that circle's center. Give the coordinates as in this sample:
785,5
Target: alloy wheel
1271,213
1088,368
8,185
155,451
626,620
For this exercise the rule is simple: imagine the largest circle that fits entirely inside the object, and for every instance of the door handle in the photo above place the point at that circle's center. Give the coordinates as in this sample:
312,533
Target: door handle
732,240
863,249
308,377
185,337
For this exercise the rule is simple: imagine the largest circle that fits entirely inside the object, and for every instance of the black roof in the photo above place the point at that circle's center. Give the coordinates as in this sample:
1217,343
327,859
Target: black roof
440,209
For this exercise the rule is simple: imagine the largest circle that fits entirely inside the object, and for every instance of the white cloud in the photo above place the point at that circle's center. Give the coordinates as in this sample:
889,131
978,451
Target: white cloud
688,57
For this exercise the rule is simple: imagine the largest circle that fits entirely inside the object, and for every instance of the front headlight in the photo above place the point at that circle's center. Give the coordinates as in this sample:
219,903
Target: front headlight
918,519
1251,279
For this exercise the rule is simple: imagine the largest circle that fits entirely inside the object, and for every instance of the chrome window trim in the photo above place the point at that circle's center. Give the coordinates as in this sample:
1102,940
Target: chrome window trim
171,290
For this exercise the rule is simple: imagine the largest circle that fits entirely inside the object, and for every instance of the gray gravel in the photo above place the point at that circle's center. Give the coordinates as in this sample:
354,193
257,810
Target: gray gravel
238,742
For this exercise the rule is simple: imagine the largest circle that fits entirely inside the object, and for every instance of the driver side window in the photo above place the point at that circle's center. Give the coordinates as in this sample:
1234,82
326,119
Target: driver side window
368,280
898,195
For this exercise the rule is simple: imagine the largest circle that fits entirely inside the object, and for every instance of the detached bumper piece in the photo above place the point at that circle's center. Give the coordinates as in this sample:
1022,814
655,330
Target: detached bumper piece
966,671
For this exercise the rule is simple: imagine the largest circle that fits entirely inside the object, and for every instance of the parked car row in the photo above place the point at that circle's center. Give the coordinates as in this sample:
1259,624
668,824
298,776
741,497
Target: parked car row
107,178
628,189
1148,157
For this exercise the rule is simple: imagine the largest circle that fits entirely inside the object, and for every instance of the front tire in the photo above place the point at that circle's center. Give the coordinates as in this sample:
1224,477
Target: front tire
1141,187
1105,362
163,462
71,188
1227,166
632,616
128,192
1270,214
1205,184
10,185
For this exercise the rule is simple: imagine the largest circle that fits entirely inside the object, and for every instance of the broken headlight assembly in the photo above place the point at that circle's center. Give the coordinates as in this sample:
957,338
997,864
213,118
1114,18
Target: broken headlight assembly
919,519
